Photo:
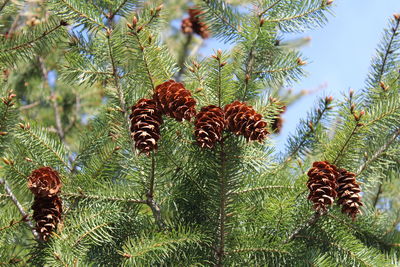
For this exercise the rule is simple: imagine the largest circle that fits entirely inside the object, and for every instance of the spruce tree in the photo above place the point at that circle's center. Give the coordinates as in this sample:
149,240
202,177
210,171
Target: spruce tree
121,145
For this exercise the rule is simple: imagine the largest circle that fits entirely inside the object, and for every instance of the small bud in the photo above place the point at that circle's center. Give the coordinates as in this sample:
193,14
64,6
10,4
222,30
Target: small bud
301,62
64,23
328,99
7,161
222,64
360,124
362,113
329,2
351,93
352,108
310,125
383,86
117,148
198,90
247,78
262,22
28,159
150,39
158,9
108,32
396,16
130,26
219,52
139,29
126,255
215,57
3,133
191,69
151,12
134,21
197,65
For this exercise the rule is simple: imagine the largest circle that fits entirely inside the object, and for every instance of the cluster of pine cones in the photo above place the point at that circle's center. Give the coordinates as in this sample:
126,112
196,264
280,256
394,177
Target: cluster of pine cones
194,24
327,182
45,184
174,100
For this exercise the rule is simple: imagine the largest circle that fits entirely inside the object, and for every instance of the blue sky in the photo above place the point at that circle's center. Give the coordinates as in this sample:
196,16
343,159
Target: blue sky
339,54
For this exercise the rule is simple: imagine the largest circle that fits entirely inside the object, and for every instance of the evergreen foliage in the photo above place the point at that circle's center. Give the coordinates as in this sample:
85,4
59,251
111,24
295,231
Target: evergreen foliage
72,70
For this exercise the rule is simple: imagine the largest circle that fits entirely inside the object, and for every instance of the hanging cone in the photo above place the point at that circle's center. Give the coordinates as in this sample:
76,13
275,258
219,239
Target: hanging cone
243,120
209,125
194,24
47,214
145,125
175,100
277,123
322,185
44,182
349,193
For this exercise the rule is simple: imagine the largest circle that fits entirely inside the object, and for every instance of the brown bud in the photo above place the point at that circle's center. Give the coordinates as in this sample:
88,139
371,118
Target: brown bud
310,125
351,93
191,69
130,26
352,108
262,22
7,161
26,126
158,9
222,64
219,52
383,86
198,90
396,16
329,2
28,159
300,62
139,29
328,99
3,133
247,78
117,148
108,32
362,113
134,21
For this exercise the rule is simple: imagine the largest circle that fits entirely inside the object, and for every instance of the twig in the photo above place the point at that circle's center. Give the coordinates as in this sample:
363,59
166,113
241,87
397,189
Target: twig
342,149
155,208
4,4
184,54
19,207
85,196
29,106
311,221
379,152
12,223
269,8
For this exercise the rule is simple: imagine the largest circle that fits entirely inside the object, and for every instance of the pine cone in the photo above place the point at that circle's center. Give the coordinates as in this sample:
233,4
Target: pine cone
195,24
209,125
277,122
349,193
44,182
322,185
146,119
175,100
187,26
47,214
243,119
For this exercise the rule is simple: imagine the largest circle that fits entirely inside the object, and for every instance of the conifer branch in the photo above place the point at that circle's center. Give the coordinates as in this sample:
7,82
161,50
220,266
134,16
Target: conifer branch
304,14
388,51
221,17
111,15
310,131
220,246
379,152
30,42
184,54
311,221
146,64
245,250
269,8
4,4
20,208
262,188
12,223
82,15
249,69
155,208
94,197
284,69
343,148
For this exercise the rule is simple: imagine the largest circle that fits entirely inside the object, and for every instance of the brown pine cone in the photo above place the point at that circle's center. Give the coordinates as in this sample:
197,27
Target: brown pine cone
209,125
187,26
146,119
47,214
322,184
243,120
44,182
195,24
277,122
175,100
349,193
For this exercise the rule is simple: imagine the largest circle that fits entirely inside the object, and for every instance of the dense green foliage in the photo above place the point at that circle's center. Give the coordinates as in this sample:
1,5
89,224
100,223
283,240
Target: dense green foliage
76,68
